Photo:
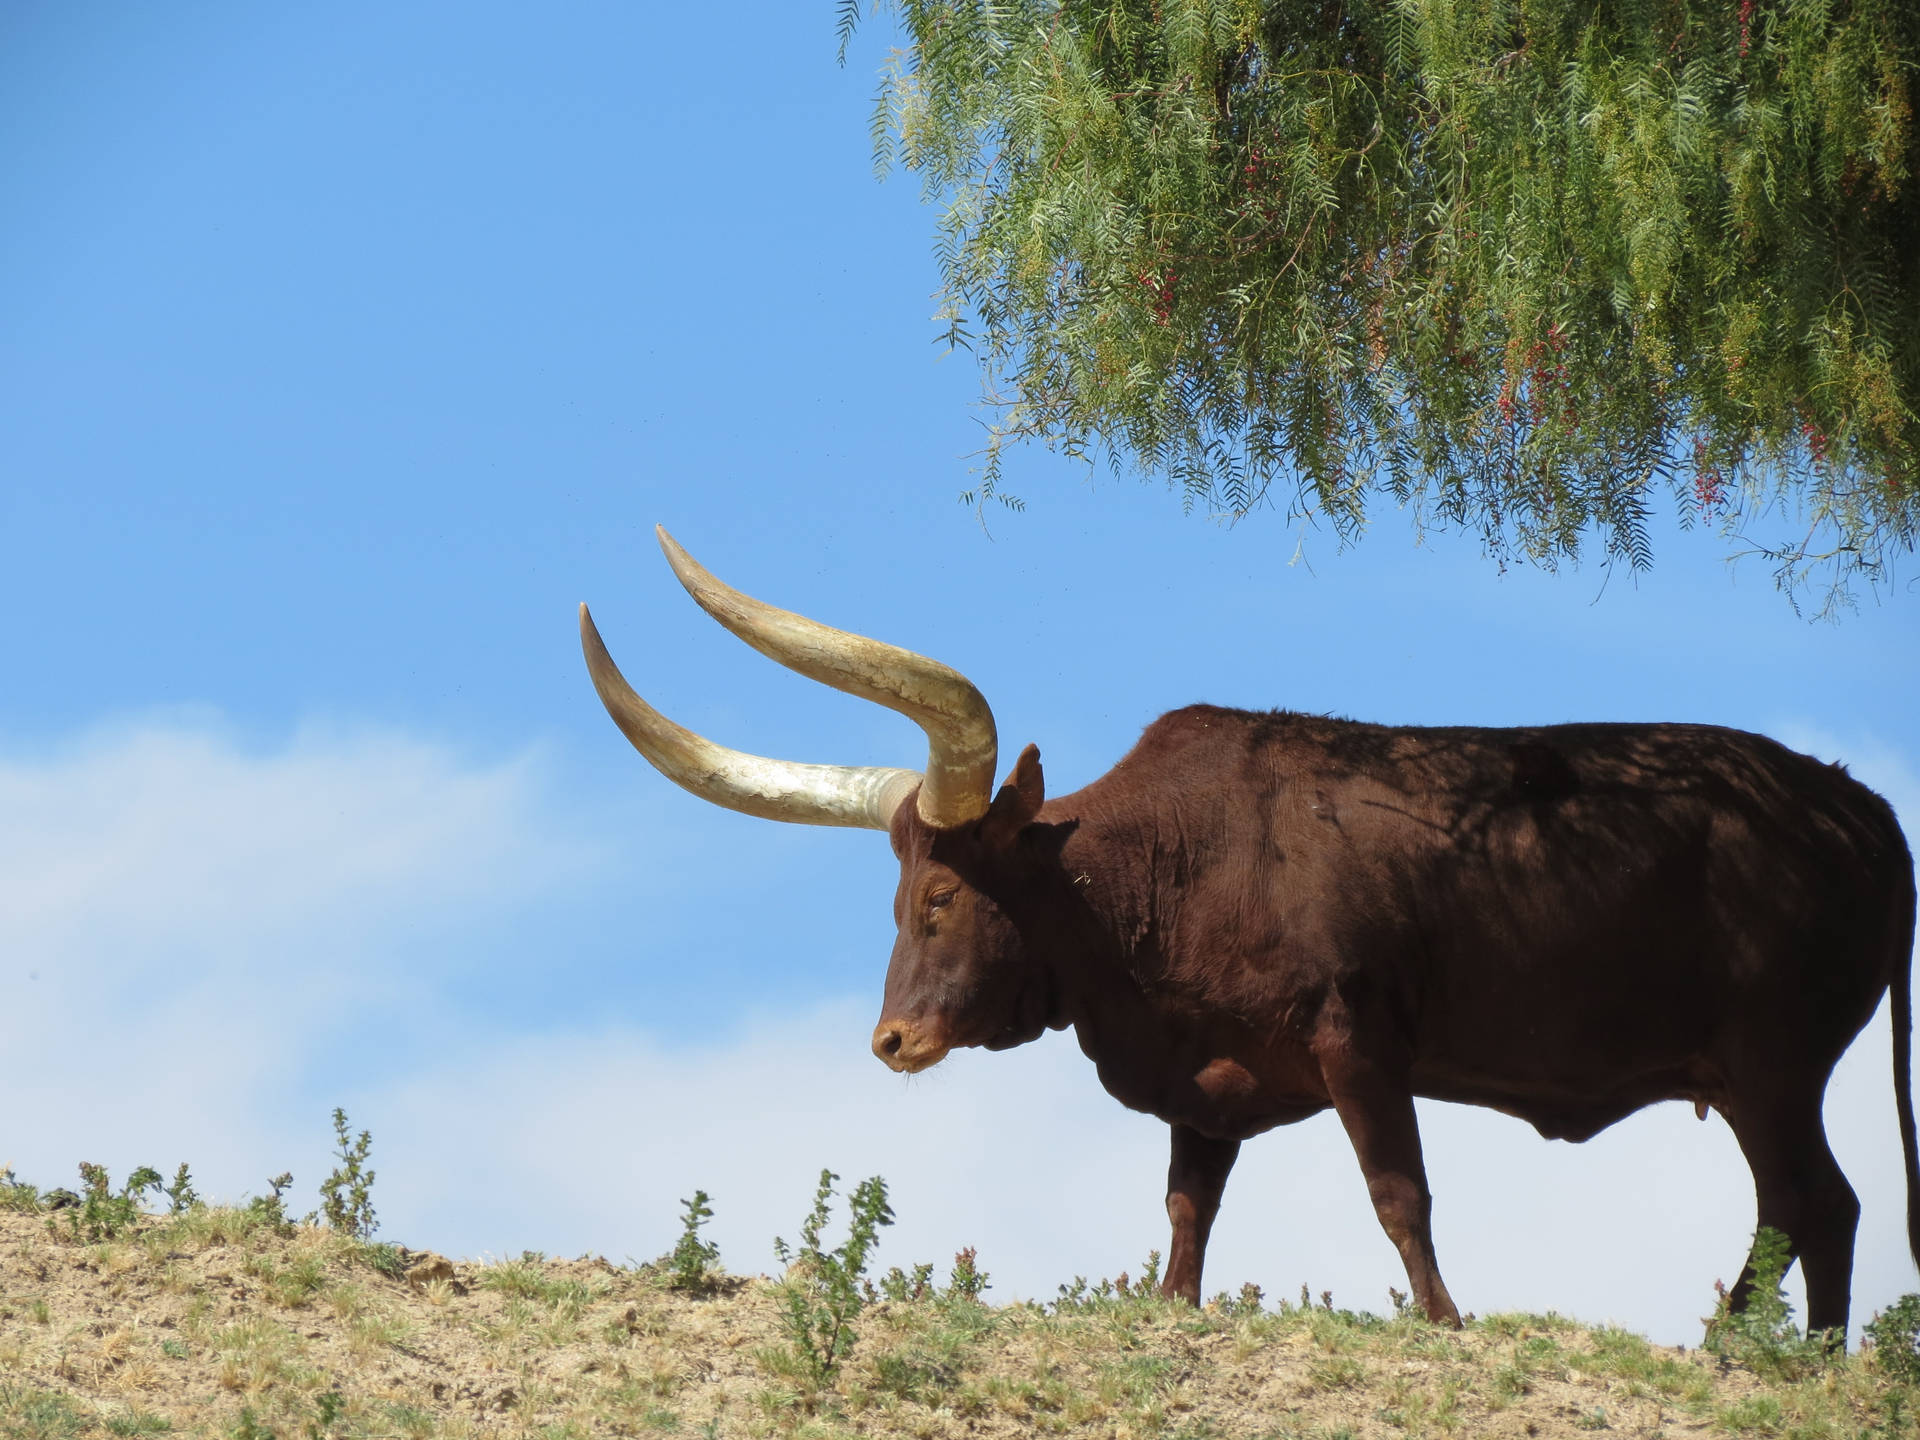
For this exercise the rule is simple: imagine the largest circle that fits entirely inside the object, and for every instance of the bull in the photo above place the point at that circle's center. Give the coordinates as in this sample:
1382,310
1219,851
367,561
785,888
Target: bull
1256,916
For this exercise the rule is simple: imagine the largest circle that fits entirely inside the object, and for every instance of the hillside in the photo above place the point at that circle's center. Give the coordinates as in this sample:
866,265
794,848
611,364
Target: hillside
221,1322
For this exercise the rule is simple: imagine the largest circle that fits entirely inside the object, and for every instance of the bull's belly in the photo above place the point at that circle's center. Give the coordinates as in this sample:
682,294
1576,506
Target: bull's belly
1225,1100
1569,1071
1235,1096
1575,1107
1566,1052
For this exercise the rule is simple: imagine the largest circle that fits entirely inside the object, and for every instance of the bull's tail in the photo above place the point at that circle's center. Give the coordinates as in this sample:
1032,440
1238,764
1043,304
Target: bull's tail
1902,994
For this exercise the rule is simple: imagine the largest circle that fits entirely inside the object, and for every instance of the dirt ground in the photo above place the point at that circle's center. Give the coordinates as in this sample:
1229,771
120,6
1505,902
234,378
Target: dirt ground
215,1324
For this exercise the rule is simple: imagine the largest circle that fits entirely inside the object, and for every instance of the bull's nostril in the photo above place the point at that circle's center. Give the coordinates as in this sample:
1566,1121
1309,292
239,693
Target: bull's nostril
887,1043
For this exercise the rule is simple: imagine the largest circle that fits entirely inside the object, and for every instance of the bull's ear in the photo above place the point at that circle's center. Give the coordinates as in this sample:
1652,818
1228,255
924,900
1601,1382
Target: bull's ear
1018,801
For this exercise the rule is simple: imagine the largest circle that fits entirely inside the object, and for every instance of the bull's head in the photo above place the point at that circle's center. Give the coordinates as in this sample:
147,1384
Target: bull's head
955,975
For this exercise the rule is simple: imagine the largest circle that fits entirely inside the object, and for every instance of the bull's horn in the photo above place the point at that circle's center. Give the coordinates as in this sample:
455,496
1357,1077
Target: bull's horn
772,789
961,744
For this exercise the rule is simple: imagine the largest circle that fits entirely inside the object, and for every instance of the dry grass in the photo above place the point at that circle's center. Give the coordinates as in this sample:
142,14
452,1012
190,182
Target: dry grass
217,1324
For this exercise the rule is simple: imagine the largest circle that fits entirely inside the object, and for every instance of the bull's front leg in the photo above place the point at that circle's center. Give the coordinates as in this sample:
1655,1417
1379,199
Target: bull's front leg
1375,1104
1195,1178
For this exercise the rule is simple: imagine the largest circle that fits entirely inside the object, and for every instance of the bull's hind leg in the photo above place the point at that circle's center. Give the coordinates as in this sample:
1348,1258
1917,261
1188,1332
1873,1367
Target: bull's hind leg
1375,1104
1800,1192
1195,1179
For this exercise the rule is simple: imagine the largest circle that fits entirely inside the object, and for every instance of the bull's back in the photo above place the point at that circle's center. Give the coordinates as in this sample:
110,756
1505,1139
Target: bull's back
1589,912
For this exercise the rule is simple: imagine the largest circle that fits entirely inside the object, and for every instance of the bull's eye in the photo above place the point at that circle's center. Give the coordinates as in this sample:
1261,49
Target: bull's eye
939,900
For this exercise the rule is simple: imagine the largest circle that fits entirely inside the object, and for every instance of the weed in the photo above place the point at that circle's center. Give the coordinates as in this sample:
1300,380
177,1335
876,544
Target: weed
967,1279
898,1285
692,1263
1081,1296
252,1338
346,1195
1895,1336
1629,1356
527,1279
658,1417
516,1316
346,1301
138,1422
822,1292
1756,1412
1148,1285
17,1195
271,1210
327,1408
39,1415
1245,1304
1763,1336
304,1277
561,1326
1342,1372
910,1375
368,1334
385,1258
411,1421
1133,1379
102,1214
513,1277
1510,1382
181,1196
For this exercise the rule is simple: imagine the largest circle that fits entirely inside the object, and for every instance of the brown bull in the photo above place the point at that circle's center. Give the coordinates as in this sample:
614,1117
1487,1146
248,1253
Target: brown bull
1255,916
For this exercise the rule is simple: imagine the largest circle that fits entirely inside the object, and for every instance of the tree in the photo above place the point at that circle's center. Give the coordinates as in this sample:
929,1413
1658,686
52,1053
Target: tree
1521,266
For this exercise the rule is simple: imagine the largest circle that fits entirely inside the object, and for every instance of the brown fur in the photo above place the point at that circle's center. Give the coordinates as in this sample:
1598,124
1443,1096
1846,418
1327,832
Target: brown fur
1254,917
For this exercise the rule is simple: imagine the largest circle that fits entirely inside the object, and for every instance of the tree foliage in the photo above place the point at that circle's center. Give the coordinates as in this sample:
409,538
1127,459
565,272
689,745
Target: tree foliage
1524,266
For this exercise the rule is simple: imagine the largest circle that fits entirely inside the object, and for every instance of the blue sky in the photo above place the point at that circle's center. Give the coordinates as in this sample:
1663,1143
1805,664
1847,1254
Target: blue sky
342,353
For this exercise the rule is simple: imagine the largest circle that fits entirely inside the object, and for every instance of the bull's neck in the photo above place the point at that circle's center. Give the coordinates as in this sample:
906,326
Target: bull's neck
1097,910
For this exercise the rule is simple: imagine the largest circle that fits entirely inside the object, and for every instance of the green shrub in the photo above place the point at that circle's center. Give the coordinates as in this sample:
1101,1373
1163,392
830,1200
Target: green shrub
1247,1302
1763,1336
1082,1296
40,1415
137,1422
328,1407
1895,1336
272,1209
691,1265
967,1279
180,1194
823,1288
897,1284
346,1198
103,1214
387,1259
17,1195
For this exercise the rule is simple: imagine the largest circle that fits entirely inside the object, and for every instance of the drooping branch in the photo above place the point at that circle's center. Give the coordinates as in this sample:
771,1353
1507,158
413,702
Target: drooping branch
1522,270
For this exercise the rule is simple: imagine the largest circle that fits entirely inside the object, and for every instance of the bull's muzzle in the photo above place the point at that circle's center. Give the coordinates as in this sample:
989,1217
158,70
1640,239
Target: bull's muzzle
906,1047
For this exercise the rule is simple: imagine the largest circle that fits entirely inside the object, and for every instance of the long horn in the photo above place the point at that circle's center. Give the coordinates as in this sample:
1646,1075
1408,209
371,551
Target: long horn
864,796
961,744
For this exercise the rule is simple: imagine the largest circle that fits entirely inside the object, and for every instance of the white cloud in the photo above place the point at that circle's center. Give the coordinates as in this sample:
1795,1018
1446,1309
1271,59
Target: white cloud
172,835
187,922
203,919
